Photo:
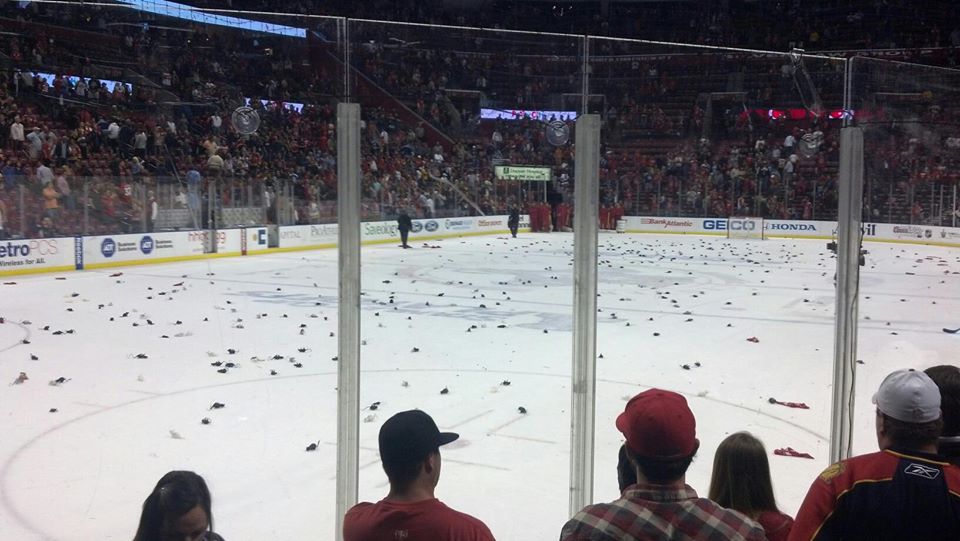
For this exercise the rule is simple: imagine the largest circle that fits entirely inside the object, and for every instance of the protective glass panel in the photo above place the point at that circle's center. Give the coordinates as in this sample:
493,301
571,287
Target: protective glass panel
718,178
189,138
910,236
474,330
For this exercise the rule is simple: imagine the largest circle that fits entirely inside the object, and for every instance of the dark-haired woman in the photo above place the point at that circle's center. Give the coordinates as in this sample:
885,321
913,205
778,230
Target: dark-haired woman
741,481
178,509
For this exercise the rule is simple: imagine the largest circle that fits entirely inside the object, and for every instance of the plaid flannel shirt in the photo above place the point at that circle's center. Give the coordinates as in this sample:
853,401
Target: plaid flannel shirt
647,512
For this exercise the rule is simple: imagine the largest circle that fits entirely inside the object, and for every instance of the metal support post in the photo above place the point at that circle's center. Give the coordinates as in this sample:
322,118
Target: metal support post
212,201
348,367
22,190
954,209
144,211
291,206
658,197
848,285
912,194
940,211
890,205
583,376
86,204
931,208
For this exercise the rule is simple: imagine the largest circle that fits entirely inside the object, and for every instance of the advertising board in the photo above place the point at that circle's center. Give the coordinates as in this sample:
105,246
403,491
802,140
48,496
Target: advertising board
524,173
799,228
660,224
140,248
919,234
308,236
37,255
61,254
255,239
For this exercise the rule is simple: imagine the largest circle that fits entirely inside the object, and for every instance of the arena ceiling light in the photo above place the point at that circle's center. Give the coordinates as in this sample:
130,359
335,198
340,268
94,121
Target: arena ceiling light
188,13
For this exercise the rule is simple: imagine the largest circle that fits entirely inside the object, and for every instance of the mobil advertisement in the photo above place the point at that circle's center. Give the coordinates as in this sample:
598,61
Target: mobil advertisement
36,255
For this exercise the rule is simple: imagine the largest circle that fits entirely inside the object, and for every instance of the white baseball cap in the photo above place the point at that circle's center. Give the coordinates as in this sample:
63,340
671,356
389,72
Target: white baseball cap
909,396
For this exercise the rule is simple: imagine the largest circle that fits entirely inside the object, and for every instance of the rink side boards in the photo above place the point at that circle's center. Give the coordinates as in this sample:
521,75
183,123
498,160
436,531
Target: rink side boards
30,256
797,229
313,237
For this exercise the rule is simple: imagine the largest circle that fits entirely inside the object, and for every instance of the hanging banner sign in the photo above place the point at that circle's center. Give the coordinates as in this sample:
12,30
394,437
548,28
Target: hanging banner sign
522,172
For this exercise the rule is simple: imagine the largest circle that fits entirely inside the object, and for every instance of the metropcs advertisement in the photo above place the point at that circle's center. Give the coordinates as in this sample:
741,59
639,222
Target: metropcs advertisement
36,255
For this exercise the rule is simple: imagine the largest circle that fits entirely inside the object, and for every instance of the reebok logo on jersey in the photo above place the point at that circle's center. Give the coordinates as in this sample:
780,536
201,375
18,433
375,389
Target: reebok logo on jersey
921,471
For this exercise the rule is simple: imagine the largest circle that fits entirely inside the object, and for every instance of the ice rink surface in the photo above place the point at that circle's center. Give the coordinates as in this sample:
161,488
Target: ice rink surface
136,352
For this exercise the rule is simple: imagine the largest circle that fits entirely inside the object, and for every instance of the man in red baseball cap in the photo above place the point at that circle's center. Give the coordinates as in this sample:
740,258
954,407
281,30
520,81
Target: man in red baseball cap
661,441
410,451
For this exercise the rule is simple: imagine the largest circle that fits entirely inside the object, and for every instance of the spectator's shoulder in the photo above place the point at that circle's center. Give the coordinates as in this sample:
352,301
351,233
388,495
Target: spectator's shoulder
735,524
860,466
469,526
359,509
591,523
359,516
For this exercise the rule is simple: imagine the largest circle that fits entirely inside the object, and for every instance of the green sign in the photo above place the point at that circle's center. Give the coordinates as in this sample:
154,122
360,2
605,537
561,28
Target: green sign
522,172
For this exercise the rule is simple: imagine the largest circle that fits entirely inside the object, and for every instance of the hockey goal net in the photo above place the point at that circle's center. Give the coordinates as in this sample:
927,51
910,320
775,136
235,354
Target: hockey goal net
745,227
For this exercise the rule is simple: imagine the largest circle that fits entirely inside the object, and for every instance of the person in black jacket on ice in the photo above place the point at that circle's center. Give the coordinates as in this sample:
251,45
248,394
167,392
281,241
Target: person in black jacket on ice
404,224
513,221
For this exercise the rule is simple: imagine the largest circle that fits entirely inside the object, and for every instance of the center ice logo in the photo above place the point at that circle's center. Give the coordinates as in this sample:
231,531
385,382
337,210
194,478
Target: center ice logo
108,247
146,245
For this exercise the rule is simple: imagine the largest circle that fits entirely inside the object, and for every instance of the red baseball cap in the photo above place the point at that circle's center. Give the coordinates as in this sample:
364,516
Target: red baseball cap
659,424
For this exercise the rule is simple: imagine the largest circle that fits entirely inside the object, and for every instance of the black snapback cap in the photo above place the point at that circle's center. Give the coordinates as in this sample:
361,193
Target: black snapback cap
410,436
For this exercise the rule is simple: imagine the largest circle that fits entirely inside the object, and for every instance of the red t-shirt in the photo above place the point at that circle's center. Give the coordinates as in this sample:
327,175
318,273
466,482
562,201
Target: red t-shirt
426,520
776,525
